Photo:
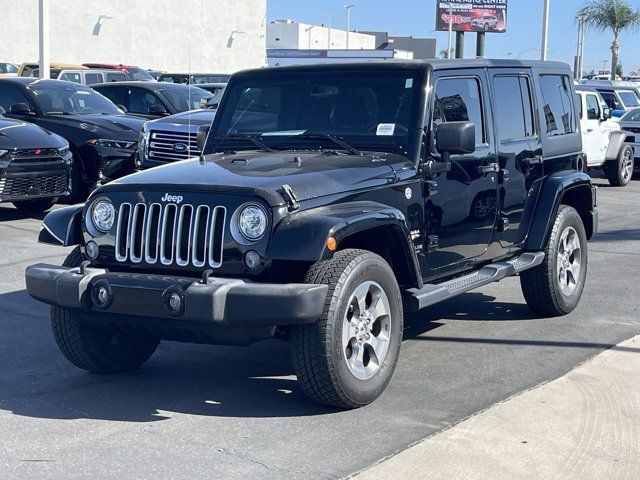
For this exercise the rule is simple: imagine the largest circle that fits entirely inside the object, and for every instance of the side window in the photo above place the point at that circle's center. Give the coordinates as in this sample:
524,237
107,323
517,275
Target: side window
70,77
116,77
458,100
515,112
593,107
10,95
558,104
115,94
93,78
140,100
611,100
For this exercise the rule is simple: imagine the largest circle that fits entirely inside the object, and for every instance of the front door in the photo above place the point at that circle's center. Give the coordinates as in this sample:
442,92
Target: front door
594,137
461,205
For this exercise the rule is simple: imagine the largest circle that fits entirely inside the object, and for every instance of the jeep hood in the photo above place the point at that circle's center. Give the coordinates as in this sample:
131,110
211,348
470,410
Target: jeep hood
310,175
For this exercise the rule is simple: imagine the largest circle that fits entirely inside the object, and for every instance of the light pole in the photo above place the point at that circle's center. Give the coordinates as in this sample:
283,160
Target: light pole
329,14
450,30
545,30
43,33
348,7
580,48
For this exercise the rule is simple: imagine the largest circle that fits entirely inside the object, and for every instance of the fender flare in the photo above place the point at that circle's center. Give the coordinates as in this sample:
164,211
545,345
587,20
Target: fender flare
616,141
302,236
571,187
62,227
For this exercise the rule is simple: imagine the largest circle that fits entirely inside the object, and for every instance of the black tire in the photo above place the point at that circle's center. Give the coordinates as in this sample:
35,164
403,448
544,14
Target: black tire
37,205
620,171
541,285
319,359
95,350
486,27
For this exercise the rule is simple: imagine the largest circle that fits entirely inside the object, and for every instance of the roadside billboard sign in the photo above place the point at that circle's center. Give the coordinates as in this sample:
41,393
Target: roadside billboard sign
472,15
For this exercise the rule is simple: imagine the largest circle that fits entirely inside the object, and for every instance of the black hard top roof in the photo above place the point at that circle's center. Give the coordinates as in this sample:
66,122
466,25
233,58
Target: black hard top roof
146,85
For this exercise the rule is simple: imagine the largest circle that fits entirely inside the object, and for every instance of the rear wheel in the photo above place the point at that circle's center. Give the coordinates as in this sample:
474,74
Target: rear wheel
347,358
620,170
554,287
37,205
99,351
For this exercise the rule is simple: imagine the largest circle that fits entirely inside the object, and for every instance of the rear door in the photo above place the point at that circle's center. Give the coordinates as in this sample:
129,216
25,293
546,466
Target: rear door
460,217
595,138
519,147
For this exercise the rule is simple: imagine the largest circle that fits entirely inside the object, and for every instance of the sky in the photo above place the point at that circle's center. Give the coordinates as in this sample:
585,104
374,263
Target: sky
417,18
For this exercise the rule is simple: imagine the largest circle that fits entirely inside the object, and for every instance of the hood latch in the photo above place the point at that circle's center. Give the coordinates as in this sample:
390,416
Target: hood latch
290,198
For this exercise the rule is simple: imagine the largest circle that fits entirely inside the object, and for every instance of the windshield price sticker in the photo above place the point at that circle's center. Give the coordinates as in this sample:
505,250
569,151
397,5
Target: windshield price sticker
386,129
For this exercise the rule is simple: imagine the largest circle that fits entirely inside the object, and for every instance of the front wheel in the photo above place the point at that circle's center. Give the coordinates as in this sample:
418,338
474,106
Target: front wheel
347,358
620,170
554,287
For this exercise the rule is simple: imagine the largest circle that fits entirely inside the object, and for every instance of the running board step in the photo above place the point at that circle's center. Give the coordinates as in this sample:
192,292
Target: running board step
435,293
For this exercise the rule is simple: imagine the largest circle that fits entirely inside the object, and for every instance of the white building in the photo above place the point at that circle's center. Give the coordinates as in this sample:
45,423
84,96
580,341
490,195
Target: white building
290,35
174,35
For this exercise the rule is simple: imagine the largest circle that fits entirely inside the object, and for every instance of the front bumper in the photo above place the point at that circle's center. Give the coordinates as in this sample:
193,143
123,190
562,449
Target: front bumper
221,301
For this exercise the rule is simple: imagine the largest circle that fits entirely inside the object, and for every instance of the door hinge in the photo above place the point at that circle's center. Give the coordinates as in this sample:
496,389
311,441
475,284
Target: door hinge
432,243
503,224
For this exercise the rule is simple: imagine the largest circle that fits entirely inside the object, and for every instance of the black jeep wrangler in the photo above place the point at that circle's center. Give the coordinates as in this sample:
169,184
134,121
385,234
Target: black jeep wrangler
329,200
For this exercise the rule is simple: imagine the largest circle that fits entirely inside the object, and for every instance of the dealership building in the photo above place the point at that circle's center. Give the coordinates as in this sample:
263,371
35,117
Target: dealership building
187,35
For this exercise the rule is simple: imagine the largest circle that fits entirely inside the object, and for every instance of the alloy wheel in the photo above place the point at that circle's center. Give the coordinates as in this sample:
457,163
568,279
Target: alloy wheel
569,261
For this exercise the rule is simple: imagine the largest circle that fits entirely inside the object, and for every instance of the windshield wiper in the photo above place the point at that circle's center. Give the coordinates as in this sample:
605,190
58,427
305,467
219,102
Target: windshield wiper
325,136
250,138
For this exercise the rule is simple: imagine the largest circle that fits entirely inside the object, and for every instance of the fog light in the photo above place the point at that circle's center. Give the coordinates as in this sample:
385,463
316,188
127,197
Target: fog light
173,300
91,250
252,259
101,295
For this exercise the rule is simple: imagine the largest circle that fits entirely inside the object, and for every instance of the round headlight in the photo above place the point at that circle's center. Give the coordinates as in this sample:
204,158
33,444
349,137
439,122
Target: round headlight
103,214
252,222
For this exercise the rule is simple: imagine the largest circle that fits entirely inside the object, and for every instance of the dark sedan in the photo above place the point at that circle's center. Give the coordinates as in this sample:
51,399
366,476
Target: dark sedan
35,166
154,99
98,132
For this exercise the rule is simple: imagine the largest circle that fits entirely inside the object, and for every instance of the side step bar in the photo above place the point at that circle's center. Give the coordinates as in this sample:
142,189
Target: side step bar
435,293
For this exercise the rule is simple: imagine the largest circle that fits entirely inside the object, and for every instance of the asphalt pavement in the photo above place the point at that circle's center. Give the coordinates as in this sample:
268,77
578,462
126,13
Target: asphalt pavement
196,411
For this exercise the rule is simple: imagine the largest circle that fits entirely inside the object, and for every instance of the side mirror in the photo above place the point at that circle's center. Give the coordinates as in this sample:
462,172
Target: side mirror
456,138
157,109
203,132
606,113
122,107
21,109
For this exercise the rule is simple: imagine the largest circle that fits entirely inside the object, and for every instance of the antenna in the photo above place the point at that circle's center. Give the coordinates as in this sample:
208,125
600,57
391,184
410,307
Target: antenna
189,112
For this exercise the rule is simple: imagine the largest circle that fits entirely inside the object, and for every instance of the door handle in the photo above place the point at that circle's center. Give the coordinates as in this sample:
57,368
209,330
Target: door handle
491,168
589,130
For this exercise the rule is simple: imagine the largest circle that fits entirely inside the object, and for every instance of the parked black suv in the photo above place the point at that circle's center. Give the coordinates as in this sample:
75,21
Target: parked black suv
329,200
99,133
35,166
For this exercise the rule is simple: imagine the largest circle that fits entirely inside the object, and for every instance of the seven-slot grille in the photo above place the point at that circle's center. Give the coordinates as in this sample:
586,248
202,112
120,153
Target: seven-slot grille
170,234
172,146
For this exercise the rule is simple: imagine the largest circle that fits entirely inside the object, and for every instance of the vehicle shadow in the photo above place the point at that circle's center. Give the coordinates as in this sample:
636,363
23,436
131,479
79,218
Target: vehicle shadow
205,380
8,213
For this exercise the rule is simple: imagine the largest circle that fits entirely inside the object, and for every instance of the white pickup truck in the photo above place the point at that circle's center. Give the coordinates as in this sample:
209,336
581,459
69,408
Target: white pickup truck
605,144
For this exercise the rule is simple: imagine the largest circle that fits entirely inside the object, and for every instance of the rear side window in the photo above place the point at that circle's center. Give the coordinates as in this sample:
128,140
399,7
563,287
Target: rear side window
593,107
557,104
115,94
116,77
458,100
93,78
71,77
514,110
10,95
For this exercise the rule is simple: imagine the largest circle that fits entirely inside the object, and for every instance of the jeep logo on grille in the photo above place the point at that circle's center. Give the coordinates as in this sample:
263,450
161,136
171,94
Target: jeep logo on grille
179,147
172,198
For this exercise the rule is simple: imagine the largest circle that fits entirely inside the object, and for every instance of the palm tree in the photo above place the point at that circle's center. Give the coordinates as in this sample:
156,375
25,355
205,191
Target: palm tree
614,15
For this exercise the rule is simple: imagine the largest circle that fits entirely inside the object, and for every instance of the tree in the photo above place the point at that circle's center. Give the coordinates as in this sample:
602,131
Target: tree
444,53
619,70
614,15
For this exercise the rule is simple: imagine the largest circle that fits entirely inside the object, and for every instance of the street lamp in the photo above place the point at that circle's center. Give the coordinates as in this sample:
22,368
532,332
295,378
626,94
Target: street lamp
450,30
43,21
545,30
348,7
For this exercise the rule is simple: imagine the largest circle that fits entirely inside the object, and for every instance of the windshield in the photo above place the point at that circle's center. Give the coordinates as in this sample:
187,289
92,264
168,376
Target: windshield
65,98
183,99
629,98
370,110
140,74
632,116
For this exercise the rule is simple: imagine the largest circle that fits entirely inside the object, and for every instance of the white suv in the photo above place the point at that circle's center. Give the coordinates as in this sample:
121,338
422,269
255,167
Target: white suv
604,142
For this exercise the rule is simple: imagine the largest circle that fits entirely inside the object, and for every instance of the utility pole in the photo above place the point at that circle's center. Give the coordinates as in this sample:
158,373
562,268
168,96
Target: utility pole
545,31
329,14
450,31
459,44
349,7
580,49
43,34
480,45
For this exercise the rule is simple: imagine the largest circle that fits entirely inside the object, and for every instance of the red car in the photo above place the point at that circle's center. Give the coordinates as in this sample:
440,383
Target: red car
133,72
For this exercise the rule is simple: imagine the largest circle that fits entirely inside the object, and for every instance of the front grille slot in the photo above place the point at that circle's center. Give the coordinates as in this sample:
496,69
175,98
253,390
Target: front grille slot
171,234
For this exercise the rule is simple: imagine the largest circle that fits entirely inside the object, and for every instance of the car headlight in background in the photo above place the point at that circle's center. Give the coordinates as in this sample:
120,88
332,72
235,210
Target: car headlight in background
252,222
121,144
62,151
103,215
